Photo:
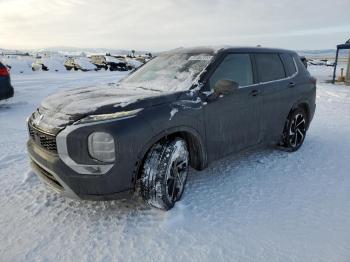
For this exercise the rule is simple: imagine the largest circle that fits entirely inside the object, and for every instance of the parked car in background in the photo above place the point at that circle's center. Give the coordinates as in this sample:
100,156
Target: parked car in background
99,61
330,63
79,63
316,62
134,63
38,66
53,63
110,62
116,64
6,89
18,64
69,64
187,107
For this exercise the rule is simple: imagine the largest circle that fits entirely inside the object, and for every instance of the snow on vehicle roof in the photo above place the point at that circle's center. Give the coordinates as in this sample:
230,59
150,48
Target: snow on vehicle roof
53,63
196,50
134,63
85,63
215,49
112,59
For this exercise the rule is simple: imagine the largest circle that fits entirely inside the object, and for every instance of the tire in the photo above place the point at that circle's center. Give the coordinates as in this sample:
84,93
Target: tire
295,130
164,173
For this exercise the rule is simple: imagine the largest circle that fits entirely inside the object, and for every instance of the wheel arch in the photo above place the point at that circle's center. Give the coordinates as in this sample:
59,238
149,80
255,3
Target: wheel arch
195,143
305,106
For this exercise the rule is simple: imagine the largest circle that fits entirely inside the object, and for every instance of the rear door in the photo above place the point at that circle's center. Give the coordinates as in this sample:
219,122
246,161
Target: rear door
276,84
233,121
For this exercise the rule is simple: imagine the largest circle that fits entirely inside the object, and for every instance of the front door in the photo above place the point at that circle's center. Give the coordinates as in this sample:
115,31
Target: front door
233,121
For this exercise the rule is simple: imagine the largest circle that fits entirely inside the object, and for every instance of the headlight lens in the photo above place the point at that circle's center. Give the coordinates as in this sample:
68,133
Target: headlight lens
93,118
101,146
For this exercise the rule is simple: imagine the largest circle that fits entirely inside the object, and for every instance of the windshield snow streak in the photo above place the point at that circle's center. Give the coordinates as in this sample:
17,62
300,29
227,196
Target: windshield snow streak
169,72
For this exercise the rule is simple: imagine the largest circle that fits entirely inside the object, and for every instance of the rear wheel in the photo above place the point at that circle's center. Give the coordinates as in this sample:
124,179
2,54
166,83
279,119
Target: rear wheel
295,130
164,173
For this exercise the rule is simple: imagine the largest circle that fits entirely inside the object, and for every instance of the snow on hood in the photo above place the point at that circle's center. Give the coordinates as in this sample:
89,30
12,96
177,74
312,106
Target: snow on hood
63,108
86,100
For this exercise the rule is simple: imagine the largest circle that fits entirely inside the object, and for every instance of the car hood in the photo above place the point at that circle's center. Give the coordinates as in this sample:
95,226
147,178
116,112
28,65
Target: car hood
64,108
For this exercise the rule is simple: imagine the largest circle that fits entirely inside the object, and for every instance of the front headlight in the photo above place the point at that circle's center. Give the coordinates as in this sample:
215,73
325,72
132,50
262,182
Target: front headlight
93,118
101,147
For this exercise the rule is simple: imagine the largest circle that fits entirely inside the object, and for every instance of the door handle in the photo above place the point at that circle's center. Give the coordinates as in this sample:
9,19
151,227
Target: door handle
255,92
291,85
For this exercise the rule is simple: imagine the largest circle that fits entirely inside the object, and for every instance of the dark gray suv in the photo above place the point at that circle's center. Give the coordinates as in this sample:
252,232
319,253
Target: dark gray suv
186,107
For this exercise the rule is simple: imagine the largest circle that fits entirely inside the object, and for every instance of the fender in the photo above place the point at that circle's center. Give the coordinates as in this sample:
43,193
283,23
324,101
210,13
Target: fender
198,151
306,105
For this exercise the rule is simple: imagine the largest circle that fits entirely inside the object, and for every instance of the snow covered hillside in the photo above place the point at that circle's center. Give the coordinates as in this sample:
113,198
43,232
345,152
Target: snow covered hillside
260,205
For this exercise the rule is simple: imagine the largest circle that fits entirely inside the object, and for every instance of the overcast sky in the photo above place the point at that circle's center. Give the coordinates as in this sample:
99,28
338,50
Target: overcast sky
158,25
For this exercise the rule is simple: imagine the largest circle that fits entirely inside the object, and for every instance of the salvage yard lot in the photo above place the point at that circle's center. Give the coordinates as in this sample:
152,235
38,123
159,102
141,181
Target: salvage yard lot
260,205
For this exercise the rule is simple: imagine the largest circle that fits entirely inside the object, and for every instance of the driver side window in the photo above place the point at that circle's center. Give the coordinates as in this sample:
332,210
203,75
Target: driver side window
235,67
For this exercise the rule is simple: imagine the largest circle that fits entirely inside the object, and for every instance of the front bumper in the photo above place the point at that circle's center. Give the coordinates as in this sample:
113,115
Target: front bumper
64,158
59,177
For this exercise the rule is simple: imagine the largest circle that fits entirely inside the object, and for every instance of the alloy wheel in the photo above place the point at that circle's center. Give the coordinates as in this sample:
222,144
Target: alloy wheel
297,130
176,178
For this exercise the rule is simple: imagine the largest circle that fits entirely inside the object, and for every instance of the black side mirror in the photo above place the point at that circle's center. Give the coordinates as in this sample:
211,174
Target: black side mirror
225,87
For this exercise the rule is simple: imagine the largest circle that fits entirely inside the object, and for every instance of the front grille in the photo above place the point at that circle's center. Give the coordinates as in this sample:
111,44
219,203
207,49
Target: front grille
42,139
31,132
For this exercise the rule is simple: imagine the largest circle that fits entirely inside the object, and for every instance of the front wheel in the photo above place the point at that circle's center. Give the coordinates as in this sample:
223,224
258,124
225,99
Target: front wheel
295,130
164,173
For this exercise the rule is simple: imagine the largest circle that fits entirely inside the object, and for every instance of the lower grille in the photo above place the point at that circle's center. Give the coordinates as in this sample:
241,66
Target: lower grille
42,139
47,177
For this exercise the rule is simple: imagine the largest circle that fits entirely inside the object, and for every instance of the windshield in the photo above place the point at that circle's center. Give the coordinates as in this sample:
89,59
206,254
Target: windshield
169,72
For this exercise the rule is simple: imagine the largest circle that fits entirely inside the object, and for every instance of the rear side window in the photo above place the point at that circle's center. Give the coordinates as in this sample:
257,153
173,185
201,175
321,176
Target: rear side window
289,64
235,67
269,67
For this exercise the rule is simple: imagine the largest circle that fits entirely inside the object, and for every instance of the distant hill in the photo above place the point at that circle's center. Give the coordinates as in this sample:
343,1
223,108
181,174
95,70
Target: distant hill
323,53
73,51
76,50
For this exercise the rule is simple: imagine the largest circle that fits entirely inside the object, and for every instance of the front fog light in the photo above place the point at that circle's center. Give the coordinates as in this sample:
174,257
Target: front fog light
101,147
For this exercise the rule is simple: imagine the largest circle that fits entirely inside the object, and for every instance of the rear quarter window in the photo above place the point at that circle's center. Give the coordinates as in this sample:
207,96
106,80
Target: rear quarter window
289,64
270,67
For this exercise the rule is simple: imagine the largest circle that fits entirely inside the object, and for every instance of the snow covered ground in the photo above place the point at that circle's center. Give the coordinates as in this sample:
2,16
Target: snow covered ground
260,205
